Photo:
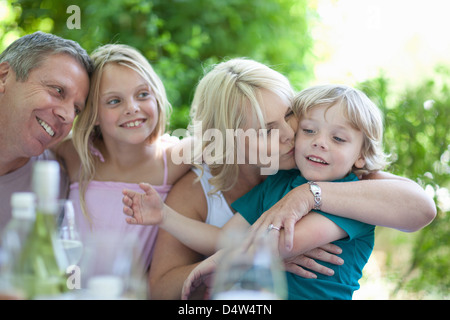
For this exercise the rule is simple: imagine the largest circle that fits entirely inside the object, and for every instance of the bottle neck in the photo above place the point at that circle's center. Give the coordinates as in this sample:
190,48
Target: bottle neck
47,206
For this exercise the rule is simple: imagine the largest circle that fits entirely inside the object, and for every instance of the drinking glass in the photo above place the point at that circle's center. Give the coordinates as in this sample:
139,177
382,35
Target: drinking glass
250,272
68,235
111,267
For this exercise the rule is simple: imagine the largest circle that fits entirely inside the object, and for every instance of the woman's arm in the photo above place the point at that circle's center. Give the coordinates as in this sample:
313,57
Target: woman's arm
383,200
172,260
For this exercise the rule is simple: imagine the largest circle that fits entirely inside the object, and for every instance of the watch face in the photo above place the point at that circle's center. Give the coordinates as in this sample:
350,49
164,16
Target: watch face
315,188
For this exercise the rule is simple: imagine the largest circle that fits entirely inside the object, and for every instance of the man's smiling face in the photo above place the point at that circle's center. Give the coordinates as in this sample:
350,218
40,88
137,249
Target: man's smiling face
37,113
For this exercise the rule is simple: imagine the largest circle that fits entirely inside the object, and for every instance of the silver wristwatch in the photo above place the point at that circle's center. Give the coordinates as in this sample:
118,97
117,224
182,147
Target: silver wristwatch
317,193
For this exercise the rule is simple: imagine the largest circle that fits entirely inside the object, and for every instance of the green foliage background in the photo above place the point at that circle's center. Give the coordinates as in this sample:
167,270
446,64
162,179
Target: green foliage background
183,37
418,138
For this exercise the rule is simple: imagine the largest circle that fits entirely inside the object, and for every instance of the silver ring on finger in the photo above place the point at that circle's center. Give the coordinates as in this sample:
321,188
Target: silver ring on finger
272,227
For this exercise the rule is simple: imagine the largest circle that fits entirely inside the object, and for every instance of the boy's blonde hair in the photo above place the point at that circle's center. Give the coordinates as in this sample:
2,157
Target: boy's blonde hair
359,110
85,132
222,100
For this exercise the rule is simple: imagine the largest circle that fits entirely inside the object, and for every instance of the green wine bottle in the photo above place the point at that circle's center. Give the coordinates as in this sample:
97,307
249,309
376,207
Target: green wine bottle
41,265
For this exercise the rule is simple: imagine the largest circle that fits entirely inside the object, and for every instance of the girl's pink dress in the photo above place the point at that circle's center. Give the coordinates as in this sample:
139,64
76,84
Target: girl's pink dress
104,203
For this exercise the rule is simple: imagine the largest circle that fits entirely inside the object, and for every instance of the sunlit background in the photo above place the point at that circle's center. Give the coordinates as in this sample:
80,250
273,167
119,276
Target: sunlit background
355,39
405,40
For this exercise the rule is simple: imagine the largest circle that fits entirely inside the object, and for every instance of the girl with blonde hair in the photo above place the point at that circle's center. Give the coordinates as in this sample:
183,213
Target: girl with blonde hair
118,142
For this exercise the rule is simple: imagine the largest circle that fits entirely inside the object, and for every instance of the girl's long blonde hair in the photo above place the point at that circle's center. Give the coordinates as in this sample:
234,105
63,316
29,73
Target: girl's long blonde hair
222,100
86,133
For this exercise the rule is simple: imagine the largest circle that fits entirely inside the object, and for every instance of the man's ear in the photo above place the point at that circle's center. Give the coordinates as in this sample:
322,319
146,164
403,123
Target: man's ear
5,70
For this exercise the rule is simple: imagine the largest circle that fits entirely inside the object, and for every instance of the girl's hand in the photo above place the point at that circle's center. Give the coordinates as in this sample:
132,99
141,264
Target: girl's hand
147,208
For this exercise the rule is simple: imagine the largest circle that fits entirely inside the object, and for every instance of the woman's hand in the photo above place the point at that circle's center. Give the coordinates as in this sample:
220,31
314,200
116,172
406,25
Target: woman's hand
201,275
285,213
326,253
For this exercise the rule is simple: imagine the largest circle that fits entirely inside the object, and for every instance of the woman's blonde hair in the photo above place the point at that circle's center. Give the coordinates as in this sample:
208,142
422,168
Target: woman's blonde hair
223,99
86,133
359,110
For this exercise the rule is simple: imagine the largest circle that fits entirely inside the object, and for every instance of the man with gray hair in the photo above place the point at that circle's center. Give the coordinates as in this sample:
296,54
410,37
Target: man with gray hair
44,83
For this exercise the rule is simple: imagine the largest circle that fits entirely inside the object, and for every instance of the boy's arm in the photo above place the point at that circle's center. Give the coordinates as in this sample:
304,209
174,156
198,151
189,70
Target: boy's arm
149,209
195,234
312,231
198,235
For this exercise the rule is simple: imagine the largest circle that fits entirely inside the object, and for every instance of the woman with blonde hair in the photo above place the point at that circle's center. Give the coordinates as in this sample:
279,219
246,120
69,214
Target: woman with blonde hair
339,136
244,94
240,94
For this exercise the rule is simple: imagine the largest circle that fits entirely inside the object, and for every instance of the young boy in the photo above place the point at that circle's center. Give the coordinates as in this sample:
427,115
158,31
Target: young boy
339,137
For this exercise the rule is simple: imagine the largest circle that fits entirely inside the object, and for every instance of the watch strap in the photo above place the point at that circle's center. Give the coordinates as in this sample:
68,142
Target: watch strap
317,193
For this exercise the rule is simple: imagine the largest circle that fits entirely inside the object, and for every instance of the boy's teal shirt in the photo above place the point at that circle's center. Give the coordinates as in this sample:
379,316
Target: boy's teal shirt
356,248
